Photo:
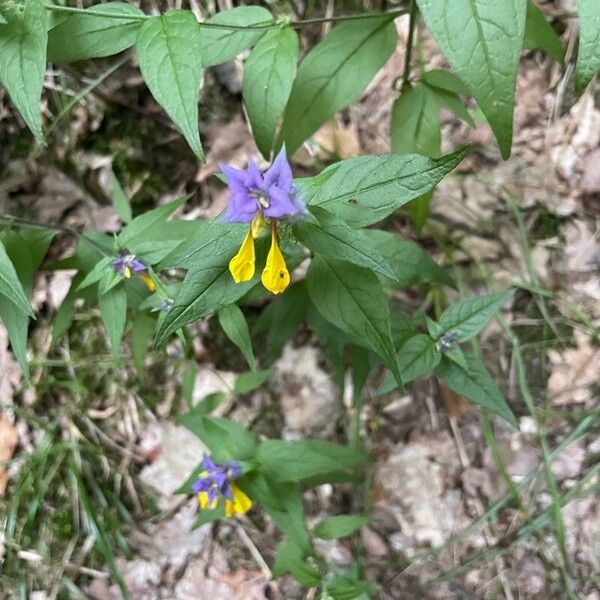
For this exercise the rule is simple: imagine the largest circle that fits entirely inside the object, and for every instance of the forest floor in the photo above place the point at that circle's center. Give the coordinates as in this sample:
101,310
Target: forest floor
461,502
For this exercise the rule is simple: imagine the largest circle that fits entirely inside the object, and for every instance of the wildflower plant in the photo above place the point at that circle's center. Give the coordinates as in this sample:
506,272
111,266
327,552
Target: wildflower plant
313,251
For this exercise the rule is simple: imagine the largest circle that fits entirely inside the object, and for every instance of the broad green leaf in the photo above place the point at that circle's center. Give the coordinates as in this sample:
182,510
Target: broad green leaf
81,36
539,34
332,528
23,42
588,56
291,558
100,270
233,323
482,40
418,355
475,384
208,286
225,438
10,286
366,189
411,263
2,20
113,310
120,200
334,74
468,317
170,55
444,80
415,126
220,44
299,460
268,76
351,298
144,227
331,238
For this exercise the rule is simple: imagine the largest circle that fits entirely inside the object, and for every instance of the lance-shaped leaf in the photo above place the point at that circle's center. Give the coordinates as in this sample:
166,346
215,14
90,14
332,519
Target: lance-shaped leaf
10,286
366,189
219,44
539,34
588,56
113,310
482,40
334,74
82,36
268,76
351,298
475,384
331,238
23,42
468,317
169,52
234,324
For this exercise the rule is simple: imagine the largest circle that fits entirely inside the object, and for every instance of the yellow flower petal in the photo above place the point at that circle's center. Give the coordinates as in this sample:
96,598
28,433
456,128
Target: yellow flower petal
127,272
257,226
148,281
275,276
240,504
241,266
203,501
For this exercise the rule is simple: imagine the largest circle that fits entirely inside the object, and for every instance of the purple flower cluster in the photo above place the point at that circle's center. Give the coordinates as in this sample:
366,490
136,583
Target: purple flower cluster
270,193
126,263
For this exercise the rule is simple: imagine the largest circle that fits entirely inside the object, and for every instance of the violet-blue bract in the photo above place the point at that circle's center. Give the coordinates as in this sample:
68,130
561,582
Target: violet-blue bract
256,196
218,481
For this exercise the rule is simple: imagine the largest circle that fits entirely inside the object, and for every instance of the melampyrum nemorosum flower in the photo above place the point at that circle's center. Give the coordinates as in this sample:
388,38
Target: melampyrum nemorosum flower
126,264
217,481
255,197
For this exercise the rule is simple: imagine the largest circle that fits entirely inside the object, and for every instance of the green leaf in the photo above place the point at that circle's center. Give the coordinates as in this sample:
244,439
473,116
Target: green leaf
411,263
332,239
334,74
415,126
252,380
208,286
169,50
588,56
82,36
539,34
268,76
351,298
366,189
113,310
299,460
144,227
444,80
482,40
419,355
226,439
26,251
475,384
290,558
142,331
10,286
233,323
219,44
23,42
120,200
468,317
100,270
332,528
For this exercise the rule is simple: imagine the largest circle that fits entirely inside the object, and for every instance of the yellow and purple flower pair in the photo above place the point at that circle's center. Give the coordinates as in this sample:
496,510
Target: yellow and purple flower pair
126,264
217,481
255,197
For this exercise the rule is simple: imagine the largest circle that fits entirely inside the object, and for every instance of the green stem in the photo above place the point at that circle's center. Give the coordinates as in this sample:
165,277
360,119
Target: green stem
409,43
273,24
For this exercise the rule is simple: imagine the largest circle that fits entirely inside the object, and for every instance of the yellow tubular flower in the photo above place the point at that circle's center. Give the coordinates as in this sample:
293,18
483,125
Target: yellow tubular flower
148,281
241,266
275,276
203,501
257,225
239,505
